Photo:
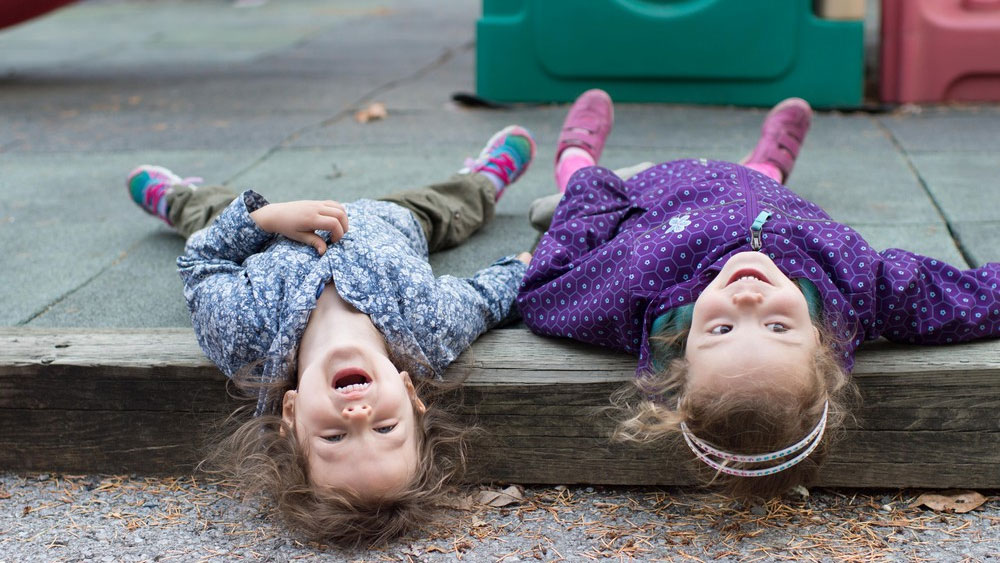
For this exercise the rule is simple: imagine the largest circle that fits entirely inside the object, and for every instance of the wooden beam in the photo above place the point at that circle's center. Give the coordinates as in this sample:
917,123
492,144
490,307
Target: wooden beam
143,401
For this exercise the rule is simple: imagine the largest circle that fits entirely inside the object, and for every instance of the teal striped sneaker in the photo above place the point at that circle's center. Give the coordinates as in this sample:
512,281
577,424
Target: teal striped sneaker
505,157
149,185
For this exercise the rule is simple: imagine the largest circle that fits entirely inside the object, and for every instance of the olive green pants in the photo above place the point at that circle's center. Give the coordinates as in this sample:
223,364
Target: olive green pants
449,212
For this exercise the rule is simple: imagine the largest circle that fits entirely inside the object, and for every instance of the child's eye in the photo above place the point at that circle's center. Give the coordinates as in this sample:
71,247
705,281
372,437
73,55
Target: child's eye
721,329
334,438
776,327
385,429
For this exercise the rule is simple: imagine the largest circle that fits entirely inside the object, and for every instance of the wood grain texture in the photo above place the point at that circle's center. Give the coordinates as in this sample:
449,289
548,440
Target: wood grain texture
144,401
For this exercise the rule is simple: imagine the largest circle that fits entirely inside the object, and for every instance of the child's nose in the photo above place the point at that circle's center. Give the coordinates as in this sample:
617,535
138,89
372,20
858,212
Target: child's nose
357,411
748,297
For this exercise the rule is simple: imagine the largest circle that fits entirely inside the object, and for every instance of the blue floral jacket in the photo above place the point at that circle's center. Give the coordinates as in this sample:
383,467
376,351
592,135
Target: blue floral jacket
251,292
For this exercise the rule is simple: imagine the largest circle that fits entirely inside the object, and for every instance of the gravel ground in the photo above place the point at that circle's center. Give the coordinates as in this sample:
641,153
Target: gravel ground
128,518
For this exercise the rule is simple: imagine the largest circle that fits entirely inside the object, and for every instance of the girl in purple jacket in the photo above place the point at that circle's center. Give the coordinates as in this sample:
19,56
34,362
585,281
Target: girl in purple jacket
744,302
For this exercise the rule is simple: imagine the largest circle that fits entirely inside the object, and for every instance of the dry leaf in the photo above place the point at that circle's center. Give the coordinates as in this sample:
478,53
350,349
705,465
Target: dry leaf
464,502
497,499
371,113
950,501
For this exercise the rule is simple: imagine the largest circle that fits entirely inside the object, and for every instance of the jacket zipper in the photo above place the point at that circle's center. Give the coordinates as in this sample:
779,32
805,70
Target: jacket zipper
756,239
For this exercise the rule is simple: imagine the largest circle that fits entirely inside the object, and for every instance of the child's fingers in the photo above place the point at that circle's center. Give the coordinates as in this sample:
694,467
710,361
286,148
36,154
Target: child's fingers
322,223
337,230
312,239
335,225
336,211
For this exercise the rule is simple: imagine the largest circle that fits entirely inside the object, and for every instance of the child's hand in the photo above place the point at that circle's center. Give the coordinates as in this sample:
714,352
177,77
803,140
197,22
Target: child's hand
524,257
297,220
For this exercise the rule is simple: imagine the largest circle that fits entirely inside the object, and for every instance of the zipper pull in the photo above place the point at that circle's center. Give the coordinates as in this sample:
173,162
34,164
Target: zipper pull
756,240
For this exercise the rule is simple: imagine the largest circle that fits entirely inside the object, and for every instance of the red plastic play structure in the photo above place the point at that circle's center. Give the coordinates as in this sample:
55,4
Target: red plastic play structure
17,11
938,50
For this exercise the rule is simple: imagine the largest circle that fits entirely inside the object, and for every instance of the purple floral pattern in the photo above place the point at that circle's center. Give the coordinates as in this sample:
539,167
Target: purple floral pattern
621,253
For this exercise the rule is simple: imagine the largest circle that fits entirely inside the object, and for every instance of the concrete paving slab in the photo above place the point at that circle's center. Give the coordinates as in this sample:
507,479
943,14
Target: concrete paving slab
7,138
204,100
140,288
965,184
66,218
932,240
864,186
195,94
980,240
958,129
26,56
433,88
445,124
394,42
707,127
110,34
154,131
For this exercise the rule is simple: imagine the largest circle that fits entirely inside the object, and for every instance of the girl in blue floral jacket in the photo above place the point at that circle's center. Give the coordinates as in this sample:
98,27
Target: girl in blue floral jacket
325,309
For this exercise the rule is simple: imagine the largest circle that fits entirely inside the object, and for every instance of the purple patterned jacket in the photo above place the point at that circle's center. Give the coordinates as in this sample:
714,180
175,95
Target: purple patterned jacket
621,253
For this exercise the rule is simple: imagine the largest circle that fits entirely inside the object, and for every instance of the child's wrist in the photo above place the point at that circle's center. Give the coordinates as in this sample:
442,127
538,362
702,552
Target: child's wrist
262,218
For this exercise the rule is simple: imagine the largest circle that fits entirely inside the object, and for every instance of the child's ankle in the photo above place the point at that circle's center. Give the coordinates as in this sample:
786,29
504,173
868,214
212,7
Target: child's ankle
570,160
767,169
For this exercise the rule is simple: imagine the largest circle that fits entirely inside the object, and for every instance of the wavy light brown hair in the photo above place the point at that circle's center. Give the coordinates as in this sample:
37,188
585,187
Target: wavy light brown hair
739,422
263,458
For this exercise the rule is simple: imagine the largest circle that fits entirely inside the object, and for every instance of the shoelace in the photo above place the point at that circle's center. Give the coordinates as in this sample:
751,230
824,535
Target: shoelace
503,165
155,193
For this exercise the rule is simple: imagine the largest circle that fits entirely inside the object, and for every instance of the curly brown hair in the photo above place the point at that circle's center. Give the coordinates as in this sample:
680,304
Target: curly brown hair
263,458
740,422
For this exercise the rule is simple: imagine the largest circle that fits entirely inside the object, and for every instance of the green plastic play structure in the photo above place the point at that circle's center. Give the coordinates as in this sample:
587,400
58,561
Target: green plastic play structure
741,52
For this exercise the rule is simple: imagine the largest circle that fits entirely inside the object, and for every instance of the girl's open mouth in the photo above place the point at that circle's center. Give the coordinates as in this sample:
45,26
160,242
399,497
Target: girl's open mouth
351,380
752,273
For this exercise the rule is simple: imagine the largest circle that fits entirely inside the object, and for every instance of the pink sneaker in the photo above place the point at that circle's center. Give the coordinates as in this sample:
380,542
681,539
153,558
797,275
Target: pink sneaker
781,136
588,124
